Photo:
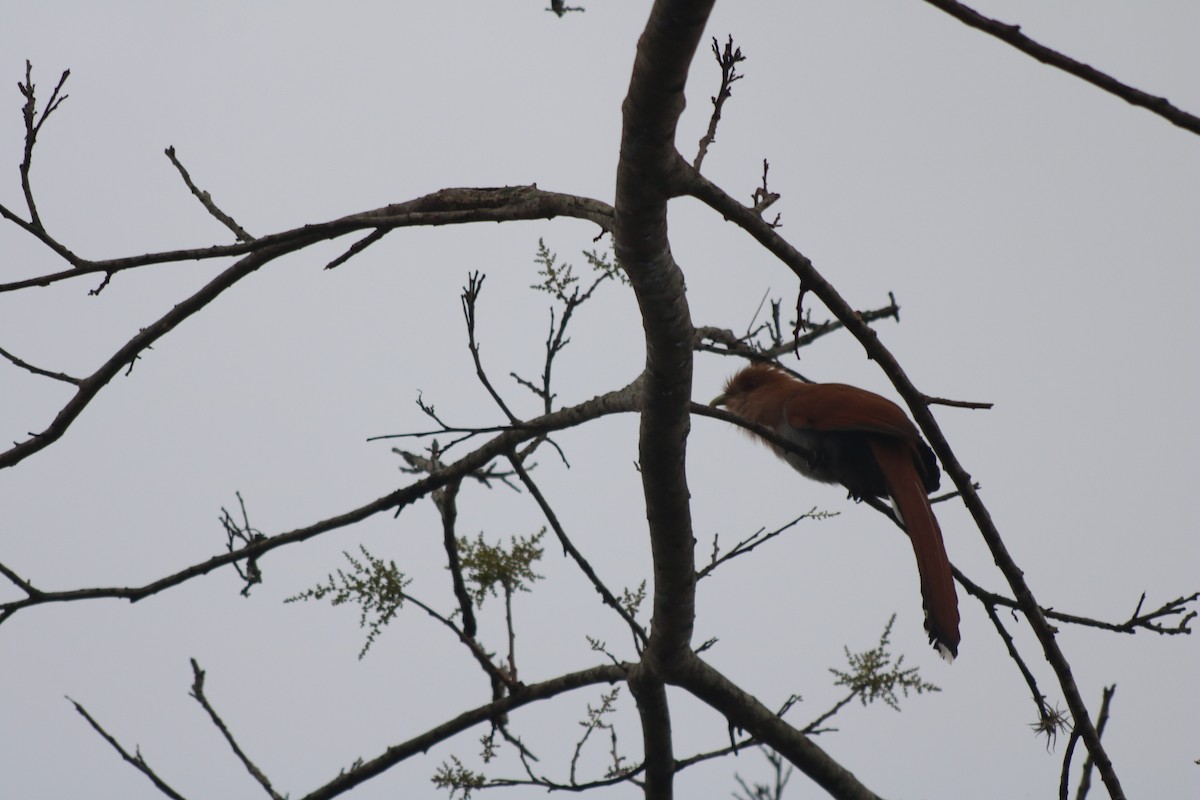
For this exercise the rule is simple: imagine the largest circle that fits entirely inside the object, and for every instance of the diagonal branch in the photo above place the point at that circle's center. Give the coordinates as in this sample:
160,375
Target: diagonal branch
501,681
1012,35
751,542
810,280
89,387
198,694
570,549
135,758
606,673
446,501
743,711
1085,779
58,376
206,200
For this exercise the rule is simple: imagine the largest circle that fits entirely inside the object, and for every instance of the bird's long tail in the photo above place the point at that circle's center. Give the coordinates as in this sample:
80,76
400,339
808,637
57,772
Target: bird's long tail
937,581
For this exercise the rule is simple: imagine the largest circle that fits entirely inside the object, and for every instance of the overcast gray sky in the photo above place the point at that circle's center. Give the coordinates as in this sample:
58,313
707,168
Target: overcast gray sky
1041,236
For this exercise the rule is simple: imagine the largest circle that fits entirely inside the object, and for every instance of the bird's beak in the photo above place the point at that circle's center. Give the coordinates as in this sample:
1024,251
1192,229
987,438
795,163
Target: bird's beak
719,400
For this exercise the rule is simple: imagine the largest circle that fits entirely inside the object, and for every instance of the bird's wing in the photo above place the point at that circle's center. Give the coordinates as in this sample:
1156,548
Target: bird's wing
838,407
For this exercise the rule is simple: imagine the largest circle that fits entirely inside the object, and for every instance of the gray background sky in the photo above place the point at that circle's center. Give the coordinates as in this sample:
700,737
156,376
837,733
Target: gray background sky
1040,235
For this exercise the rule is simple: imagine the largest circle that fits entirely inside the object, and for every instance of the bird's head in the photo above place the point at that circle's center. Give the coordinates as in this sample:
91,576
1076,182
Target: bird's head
747,380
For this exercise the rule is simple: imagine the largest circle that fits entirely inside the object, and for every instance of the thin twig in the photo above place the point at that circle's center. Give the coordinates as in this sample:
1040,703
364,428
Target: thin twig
469,298
470,295
20,582
135,759
498,676
754,540
727,60
1044,712
764,198
58,376
942,401
356,248
445,500
206,200
238,536
33,126
1064,777
1144,621
397,753
90,386
511,627
570,549
198,694
814,728
732,344
1085,779
421,465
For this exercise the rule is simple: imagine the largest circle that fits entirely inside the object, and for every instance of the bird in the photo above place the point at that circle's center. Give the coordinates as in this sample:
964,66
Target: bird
867,444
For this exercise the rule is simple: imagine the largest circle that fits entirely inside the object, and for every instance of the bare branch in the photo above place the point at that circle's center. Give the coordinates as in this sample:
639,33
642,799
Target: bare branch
570,549
135,758
754,540
206,200
764,198
1177,608
745,346
19,582
198,694
745,712
356,248
727,60
58,376
606,673
444,207
623,400
444,499
33,126
1085,780
239,536
502,681
942,401
89,387
423,465
470,297
453,206
1012,35
1064,776
1047,717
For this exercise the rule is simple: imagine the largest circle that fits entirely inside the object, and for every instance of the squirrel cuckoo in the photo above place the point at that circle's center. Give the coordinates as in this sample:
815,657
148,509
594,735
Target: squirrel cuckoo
868,445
